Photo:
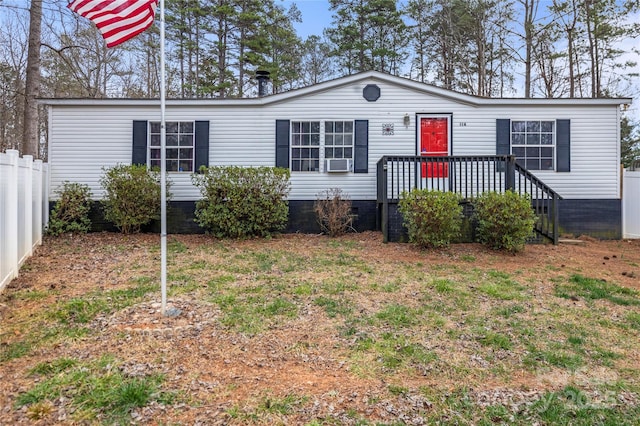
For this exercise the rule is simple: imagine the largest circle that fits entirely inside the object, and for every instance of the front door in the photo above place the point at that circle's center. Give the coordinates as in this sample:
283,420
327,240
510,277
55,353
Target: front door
434,142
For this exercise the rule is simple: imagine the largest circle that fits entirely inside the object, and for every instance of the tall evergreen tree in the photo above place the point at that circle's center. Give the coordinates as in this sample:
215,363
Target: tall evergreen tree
283,48
418,13
630,141
220,78
605,28
367,35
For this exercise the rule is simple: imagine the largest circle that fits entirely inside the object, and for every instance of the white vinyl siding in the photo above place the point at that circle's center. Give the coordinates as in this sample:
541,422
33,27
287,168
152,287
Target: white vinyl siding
243,134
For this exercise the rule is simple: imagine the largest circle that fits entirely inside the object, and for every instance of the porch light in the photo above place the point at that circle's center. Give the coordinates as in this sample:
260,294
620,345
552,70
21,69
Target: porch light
406,120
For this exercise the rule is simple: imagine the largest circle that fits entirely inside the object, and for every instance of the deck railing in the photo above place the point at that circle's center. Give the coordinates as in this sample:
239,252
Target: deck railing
468,176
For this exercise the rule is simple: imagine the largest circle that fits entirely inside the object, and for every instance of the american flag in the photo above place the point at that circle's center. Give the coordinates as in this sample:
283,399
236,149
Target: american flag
117,20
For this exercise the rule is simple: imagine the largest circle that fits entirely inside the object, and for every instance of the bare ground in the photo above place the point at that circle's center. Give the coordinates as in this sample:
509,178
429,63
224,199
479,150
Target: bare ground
222,372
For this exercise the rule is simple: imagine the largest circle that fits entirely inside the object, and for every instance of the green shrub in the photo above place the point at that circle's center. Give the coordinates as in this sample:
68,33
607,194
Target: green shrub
132,196
333,212
240,202
505,220
71,212
432,218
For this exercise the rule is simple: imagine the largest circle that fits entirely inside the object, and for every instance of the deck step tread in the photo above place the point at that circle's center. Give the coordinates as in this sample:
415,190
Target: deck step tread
570,241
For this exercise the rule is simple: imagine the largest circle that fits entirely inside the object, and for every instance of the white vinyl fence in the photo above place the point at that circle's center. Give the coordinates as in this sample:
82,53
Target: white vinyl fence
24,210
631,204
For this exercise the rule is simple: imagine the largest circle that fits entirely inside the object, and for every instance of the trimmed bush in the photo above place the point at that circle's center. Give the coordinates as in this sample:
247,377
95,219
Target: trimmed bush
505,220
432,218
240,202
132,196
71,211
333,211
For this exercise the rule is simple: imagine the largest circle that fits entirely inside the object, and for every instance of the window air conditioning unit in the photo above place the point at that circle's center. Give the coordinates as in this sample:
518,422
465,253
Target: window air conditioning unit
338,165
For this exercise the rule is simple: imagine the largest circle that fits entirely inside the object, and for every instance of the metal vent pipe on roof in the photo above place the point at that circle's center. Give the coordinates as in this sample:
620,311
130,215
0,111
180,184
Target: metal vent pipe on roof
263,78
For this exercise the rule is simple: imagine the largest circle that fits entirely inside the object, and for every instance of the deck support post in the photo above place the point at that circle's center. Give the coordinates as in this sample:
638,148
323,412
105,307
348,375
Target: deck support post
556,222
385,200
510,175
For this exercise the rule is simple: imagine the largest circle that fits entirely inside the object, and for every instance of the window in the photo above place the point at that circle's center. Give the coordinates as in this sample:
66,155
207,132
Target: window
312,141
338,139
533,144
305,146
179,143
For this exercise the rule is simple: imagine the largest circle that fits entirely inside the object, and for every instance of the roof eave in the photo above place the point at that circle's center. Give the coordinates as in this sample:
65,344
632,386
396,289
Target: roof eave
344,81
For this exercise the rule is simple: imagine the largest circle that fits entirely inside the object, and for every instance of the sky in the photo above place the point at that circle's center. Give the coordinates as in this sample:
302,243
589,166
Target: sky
316,16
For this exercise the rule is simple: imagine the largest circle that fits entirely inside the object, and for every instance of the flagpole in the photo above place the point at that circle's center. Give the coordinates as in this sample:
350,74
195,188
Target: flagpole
163,171
118,21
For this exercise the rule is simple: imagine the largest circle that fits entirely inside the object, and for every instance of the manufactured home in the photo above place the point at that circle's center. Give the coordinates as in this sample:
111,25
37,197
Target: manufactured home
371,134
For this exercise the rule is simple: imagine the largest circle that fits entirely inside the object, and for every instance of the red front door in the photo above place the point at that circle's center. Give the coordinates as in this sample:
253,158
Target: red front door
434,142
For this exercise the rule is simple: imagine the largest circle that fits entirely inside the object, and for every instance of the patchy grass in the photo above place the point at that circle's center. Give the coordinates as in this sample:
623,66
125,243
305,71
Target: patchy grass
97,389
311,330
591,289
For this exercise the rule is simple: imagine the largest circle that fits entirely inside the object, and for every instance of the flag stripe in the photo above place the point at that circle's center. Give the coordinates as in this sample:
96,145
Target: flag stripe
121,35
117,20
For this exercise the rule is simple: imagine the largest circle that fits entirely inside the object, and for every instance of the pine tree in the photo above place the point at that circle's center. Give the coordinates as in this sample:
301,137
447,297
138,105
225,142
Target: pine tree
630,141
367,35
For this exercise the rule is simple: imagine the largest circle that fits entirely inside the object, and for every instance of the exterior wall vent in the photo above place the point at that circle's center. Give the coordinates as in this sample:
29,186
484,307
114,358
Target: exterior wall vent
336,165
371,92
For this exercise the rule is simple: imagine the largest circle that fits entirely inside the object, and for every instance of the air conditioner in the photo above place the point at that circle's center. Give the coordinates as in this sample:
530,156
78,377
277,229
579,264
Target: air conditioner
338,165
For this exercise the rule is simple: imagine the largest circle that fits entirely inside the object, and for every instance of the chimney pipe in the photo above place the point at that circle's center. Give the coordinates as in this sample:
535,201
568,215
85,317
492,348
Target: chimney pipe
262,77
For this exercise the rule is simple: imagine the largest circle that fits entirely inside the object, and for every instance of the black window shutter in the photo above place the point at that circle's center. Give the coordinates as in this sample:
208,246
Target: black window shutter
361,151
282,143
503,140
503,136
202,145
563,145
139,148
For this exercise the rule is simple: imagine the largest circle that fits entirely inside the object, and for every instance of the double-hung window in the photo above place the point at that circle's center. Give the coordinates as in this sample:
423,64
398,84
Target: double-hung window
533,143
338,139
305,146
180,143
314,141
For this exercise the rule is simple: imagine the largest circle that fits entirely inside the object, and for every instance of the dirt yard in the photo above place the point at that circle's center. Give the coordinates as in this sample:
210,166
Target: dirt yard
262,335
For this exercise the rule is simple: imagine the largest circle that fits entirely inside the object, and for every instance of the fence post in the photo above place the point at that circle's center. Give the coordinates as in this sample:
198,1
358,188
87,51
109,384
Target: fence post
37,202
45,196
12,213
28,207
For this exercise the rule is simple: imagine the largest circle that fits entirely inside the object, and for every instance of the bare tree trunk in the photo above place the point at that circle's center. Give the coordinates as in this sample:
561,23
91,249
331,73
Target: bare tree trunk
32,86
570,11
591,22
572,62
530,7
